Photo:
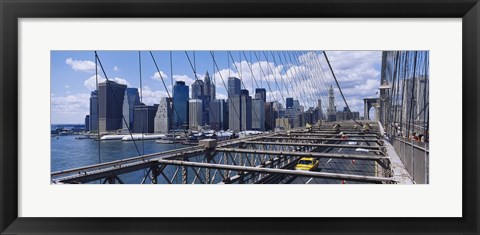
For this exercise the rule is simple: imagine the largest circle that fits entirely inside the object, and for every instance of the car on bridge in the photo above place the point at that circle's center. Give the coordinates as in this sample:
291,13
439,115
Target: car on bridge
307,164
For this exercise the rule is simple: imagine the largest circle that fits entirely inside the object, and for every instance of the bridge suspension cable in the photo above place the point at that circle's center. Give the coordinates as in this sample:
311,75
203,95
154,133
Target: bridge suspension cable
116,102
340,89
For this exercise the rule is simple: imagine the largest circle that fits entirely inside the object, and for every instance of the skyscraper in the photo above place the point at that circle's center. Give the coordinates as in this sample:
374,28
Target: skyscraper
209,87
331,112
130,99
201,90
246,110
195,114
163,121
261,93
87,123
234,104
180,105
218,115
289,103
319,110
234,113
299,120
258,114
269,116
234,86
197,89
110,98
296,105
93,111
144,117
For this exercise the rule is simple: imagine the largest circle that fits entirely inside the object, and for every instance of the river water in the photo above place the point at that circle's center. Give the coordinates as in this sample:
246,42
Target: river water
68,152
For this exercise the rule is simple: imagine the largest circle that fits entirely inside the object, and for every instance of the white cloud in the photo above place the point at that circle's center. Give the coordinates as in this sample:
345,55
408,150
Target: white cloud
156,76
81,65
115,68
151,97
91,82
77,104
220,96
188,81
67,86
121,81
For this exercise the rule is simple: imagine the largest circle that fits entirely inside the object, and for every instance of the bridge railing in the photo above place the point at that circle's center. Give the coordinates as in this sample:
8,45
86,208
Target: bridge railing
415,157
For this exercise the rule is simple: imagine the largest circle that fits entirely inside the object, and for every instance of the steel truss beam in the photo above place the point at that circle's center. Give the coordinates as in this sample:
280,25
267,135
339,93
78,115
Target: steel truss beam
301,154
328,135
184,152
315,145
281,171
380,142
331,132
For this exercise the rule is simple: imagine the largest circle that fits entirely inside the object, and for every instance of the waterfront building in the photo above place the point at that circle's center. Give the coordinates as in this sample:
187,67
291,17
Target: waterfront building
130,99
93,111
110,99
180,105
144,117
163,121
218,115
87,123
195,114
258,114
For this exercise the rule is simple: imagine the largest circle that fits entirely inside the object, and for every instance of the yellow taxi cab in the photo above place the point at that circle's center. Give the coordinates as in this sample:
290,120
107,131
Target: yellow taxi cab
307,164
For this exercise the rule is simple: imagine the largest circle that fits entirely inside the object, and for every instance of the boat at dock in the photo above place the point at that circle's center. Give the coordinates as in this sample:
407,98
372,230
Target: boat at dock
165,141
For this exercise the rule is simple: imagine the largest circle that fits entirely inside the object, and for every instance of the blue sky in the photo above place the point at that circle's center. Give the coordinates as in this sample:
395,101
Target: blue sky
305,75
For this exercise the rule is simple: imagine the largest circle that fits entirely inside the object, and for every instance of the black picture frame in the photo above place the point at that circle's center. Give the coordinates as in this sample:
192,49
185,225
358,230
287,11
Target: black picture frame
11,11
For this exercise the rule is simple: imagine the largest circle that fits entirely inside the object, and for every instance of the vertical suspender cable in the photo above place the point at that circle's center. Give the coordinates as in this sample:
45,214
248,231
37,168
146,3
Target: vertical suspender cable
171,82
98,108
115,99
141,101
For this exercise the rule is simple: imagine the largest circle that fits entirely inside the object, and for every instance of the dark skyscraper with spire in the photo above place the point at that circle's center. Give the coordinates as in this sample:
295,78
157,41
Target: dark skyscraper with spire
209,86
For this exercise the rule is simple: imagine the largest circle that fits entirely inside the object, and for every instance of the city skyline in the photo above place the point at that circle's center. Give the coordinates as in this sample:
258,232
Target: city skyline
315,123
73,76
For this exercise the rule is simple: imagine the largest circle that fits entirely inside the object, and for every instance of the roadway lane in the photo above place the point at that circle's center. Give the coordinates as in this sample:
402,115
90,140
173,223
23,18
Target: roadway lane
345,166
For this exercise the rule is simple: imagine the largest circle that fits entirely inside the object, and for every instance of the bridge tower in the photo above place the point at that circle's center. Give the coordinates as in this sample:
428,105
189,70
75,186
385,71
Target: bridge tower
369,103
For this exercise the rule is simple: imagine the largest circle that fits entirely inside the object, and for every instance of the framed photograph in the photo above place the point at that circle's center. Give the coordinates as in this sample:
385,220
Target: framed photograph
239,117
